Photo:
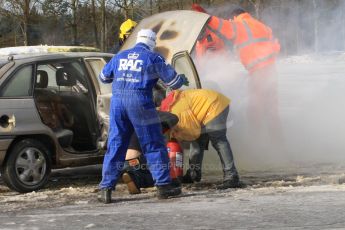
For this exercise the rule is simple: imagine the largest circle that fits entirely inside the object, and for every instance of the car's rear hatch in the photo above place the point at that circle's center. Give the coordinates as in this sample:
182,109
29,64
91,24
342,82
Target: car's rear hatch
176,31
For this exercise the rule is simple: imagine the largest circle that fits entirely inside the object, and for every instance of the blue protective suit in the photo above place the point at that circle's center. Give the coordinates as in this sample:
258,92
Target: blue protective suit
133,73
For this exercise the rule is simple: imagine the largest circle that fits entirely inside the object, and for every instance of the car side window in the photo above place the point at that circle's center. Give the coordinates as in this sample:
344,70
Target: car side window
65,76
49,71
183,64
20,84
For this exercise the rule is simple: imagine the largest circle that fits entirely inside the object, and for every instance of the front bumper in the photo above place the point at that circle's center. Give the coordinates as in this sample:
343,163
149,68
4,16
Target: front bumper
4,145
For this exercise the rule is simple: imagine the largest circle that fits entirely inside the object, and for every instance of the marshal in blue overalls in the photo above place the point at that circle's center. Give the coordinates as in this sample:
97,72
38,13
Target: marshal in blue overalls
133,73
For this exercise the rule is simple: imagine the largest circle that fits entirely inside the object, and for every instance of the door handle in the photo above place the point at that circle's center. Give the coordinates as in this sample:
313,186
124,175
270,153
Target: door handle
7,123
12,121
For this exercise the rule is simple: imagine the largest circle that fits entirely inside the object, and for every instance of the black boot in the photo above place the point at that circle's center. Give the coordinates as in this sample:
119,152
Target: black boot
195,175
191,176
104,195
233,182
169,190
187,179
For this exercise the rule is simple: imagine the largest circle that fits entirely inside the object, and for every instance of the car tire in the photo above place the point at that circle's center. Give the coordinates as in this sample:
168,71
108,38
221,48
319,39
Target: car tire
27,167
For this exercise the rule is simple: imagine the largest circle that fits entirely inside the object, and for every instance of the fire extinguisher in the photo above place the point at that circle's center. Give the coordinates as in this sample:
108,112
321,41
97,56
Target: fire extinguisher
175,154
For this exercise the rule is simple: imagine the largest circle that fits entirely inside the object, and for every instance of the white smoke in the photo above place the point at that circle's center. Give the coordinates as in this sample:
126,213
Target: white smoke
310,93
310,89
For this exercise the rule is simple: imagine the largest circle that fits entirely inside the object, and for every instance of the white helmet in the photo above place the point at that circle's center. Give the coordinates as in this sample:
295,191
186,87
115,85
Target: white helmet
148,37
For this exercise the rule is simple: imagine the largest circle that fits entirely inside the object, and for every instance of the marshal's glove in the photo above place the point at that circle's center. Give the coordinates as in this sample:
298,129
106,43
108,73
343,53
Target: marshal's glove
184,79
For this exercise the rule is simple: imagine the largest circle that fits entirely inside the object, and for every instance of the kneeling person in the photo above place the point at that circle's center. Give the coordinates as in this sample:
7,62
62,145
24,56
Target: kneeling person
135,172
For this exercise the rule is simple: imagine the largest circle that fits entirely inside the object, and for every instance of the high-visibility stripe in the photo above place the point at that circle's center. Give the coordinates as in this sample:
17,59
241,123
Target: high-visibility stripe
173,81
259,60
234,27
248,30
104,78
220,25
179,79
251,39
225,39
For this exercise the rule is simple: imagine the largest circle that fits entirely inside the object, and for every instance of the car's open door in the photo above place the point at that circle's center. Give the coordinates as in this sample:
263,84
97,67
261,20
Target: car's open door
104,94
184,64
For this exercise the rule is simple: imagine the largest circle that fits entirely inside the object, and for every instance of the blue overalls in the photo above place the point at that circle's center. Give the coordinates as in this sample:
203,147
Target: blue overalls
133,73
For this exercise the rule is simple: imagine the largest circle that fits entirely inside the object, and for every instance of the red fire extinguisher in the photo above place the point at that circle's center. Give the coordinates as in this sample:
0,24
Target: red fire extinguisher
176,159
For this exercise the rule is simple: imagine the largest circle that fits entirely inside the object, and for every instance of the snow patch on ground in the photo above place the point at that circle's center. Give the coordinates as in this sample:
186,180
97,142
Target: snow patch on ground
12,201
83,191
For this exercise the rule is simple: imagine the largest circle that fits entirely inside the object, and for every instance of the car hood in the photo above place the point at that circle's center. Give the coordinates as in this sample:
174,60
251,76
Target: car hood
176,31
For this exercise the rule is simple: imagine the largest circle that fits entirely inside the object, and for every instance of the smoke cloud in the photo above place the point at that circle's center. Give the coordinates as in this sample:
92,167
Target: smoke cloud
310,89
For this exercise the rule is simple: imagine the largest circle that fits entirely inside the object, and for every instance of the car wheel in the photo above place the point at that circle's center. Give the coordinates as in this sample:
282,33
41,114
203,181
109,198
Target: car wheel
28,166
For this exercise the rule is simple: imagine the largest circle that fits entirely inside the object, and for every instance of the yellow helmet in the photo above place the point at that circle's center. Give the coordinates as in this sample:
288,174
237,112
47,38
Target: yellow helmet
126,28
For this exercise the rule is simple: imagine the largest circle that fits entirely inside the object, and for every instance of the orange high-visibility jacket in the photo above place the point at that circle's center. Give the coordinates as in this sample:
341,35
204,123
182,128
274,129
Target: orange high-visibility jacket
194,108
253,41
209,42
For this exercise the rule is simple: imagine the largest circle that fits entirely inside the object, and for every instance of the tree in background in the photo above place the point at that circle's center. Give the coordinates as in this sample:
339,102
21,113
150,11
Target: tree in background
300,25
94,23
22,11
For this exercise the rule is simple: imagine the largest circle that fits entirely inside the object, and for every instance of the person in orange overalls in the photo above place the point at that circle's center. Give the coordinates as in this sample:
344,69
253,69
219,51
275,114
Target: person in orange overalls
257,49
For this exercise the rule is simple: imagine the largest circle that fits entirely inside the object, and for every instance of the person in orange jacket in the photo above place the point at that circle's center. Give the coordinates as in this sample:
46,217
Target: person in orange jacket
257,49
252,40
208,41
202,115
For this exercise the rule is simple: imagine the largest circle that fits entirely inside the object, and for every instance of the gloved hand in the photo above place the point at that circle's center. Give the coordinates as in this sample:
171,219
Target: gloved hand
184,79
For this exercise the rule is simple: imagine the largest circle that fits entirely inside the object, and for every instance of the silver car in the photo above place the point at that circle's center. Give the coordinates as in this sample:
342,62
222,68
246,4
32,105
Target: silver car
53,113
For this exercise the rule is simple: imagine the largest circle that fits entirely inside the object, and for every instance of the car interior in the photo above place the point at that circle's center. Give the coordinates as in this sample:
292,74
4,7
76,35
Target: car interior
67,109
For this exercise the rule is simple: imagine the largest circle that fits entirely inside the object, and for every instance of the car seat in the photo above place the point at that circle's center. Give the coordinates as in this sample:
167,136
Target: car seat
80,104
47,107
